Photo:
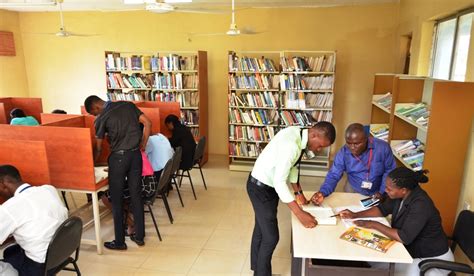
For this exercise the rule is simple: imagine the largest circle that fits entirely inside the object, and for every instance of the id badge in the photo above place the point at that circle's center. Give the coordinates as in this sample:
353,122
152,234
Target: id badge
366,185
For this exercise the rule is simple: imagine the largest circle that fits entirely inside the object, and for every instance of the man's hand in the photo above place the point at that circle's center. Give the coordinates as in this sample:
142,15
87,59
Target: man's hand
317,198
369,224
347,214
301,199
306,219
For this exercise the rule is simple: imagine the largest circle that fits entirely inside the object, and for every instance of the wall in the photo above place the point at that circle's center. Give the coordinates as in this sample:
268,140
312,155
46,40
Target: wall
65,71
13,80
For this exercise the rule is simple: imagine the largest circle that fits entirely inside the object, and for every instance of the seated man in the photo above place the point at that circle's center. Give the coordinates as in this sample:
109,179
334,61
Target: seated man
31,215
366,161
159,151
19,118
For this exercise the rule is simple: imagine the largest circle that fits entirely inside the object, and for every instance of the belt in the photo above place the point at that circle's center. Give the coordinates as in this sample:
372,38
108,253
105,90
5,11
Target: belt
122,152
255,181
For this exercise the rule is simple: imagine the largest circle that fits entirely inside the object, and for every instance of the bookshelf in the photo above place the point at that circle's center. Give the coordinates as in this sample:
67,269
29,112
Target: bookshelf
380,115
270,90
164,76
443,139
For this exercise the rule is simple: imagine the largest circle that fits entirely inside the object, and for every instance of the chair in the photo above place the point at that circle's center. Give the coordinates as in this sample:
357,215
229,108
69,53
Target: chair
198,155
66,240
174,171
462,236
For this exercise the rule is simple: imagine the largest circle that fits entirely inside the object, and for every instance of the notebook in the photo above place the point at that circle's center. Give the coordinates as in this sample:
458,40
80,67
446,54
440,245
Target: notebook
322,214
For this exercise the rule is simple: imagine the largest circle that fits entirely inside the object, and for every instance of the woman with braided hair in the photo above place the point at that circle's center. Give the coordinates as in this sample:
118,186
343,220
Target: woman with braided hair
415,220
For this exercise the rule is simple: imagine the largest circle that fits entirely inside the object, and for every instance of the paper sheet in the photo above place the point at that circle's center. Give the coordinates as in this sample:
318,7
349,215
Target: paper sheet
322,214
100,173
350,222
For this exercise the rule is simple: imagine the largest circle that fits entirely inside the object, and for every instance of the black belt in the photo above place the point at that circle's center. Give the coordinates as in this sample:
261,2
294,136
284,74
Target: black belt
255,181
122,152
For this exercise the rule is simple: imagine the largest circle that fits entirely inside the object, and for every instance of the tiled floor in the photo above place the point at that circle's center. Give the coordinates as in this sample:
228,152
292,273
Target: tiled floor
210,236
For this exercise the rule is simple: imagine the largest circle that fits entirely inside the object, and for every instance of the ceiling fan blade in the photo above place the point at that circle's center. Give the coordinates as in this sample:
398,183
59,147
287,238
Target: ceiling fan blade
82,35
205,11
250,31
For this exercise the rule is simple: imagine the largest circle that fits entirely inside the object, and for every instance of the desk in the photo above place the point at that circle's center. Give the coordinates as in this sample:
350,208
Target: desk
323,242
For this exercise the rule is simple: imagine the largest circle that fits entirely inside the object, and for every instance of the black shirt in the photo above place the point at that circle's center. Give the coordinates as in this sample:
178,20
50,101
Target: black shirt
120,121
418,223
182,137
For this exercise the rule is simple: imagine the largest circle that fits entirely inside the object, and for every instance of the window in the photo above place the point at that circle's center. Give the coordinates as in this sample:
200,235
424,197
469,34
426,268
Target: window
451,46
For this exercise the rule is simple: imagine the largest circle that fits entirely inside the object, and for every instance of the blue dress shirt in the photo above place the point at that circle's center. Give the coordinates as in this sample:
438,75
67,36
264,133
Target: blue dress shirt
159,151
356,168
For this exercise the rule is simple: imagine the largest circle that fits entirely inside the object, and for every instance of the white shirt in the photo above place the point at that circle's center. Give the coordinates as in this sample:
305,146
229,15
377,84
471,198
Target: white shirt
159,151
276,164
32,216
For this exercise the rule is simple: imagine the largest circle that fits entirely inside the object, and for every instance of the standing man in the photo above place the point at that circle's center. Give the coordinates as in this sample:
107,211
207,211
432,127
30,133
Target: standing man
121,122
267,183
367,162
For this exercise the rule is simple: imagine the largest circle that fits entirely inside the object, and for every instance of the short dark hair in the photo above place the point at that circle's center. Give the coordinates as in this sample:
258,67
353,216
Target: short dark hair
9,171
403,177
355,127
58,111
173,119
91,100
327,129
17,113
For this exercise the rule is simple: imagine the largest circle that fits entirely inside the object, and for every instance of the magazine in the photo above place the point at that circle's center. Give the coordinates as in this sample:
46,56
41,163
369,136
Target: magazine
368,239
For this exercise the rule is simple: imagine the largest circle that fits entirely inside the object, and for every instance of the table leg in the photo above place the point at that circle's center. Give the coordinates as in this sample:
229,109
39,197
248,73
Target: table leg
391,269
95,209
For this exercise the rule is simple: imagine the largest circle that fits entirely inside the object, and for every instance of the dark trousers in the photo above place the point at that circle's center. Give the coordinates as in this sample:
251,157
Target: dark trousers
16,256
265,232
126,167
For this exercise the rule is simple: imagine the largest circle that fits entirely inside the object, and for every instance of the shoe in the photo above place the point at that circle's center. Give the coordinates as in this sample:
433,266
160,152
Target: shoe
138,242
112,245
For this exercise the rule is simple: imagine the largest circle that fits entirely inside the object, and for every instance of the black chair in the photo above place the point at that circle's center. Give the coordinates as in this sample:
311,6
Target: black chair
464,237
174,171
164,186
198,155
66,240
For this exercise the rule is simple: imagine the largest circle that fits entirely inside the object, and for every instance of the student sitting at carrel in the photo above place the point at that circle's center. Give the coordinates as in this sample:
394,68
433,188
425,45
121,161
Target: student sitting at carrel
19,118
31,215
415,220
181,137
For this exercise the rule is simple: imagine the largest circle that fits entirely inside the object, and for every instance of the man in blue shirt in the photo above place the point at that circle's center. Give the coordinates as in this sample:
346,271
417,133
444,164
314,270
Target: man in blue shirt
366,161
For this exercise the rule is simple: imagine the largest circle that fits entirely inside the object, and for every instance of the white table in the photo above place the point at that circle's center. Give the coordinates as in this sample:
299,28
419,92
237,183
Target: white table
323,241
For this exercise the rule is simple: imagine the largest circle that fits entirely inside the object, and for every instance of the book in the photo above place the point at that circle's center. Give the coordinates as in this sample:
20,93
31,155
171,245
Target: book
324,215
367,238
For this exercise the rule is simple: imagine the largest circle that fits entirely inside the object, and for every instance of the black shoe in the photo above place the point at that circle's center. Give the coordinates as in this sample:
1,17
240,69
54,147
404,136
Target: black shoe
138,242
112,245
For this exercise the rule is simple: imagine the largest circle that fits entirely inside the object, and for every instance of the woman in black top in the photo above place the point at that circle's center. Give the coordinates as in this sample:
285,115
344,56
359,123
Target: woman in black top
415,220
181,137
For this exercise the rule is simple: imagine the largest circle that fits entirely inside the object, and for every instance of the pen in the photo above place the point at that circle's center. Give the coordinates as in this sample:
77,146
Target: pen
336,215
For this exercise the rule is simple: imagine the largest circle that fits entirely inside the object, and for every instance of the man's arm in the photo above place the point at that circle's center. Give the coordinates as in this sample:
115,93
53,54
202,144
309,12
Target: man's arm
334,175
98,150
7,225
146,130
389,165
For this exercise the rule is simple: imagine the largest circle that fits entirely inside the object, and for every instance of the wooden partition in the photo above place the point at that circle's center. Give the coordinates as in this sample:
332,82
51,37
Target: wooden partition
154,115
47,118
165,109
31,106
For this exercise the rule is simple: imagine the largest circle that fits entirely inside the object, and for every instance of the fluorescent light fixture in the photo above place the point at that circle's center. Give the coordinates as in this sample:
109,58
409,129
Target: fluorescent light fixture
178,1
27,4
133,2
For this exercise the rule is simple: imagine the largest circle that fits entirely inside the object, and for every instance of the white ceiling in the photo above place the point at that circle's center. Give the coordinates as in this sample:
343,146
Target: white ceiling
117,5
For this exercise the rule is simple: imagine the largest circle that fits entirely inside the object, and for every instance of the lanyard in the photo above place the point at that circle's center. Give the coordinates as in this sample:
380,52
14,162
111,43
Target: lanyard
27,187
368,162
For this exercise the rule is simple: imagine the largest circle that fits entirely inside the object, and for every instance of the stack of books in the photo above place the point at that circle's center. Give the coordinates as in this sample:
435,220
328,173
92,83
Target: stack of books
298,82
245,149
258,117
418,113
294,100
412,152
189,117
256,81
173,62
114,62
175,81
304,118
257,134
308,64
385,101
195,132
130,96
380,131
117,81
318,100
261,99
249,64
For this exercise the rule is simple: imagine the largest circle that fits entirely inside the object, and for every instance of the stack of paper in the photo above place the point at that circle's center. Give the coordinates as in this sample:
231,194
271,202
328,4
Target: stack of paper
322,214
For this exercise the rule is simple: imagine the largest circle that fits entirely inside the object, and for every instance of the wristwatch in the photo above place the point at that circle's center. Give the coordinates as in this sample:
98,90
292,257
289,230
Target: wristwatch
300,192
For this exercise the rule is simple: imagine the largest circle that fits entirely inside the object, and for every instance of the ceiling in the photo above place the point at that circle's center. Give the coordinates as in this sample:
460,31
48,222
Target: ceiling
117,5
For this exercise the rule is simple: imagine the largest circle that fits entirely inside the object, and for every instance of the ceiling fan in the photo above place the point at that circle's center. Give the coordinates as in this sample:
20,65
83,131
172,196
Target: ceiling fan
165,6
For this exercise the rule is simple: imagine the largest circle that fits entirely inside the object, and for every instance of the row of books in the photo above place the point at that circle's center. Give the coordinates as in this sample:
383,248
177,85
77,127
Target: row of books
250,64
303,100
380,131
176,81
251,133
385,100
315,64
189,117
194,131
304,118
256,81
418,113
114,62
173,62
245,149
118,95
261,99
262,117
189,99
298,82
117,80
412,152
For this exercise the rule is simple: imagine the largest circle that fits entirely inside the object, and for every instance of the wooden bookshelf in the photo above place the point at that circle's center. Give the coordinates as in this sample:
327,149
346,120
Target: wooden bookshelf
444,139
242,78
383,84
168,76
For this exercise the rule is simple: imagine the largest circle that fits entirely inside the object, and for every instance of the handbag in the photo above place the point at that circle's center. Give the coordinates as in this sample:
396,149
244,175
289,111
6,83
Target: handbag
147,169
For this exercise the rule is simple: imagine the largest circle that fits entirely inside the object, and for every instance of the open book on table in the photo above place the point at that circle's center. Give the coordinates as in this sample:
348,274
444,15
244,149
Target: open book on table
323,214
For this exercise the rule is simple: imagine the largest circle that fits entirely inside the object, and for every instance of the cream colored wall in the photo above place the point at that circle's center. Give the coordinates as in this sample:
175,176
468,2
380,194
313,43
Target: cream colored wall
13,81
65,71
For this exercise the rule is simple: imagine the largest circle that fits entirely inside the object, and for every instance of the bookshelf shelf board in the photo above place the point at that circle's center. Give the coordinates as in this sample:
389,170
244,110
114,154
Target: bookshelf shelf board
399,158
191,125
249,141
253,72
189,107
252,107
246,157
127,71
254,90
175,71
308,109
309,90
254,125
381,107
408,120
307,73
175,90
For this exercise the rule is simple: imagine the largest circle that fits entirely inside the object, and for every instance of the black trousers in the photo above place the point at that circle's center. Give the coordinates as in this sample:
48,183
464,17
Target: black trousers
126,167
16,256
265,232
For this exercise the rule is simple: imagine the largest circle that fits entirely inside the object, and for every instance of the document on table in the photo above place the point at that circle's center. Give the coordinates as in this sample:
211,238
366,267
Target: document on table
322,214
100,173
348,223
